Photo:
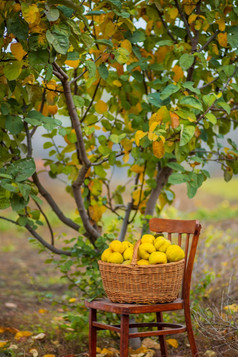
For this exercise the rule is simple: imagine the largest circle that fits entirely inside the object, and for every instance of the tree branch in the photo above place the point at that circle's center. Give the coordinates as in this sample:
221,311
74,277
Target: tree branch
28,139
164,23
184,20
91,102
209,41
45,244
208,84
53,204
47,222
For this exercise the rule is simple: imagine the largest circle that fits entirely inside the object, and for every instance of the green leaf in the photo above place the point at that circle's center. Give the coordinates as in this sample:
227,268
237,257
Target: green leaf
186,61
87,40
225,106
36,198
209,99
39,57
95,12
105,42
116,3
78,101
22,221
91,66
189,86
66,10
137,36
117,138
22,169
103,71
36,118
5,176
12,70
186,114
175,166
191,102
4,200
14,124
52,13
18,203
154,98
59,41
99,170
25,190
177,178
121,55
211,118
47,145
17,26
168,91
186,134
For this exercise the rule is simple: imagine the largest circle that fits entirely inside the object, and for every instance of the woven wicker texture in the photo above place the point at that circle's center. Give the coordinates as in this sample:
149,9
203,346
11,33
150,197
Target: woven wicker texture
141,284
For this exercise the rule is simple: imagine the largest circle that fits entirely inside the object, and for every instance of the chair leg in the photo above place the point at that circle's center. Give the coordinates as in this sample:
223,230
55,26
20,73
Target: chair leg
92,333
190,333
163,346
124,338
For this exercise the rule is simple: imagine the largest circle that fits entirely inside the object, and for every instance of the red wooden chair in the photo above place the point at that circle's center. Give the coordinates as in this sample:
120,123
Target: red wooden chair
187,234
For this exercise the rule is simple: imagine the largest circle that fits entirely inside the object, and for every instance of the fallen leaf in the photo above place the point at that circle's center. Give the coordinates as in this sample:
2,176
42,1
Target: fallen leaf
72,300
34,352
149,343
21,334
140,350
107,353
3,343
40,336
42,311
49,356
210,353
13,347
233,307
172,342
8,329
10,305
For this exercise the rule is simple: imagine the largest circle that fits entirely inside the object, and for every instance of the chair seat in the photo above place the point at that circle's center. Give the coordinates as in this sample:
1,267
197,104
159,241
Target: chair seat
126,309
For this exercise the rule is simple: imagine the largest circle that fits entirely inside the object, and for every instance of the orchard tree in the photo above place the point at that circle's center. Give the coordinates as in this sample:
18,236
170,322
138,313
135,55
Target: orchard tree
148,86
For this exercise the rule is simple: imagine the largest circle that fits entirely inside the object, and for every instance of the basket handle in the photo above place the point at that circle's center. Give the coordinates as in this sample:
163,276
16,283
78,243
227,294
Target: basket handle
135,253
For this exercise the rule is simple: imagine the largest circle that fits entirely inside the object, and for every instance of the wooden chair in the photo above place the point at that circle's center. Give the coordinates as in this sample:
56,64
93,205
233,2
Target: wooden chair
187,234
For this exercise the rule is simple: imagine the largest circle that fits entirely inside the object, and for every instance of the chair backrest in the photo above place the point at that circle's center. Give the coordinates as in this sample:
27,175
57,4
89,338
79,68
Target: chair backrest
185,233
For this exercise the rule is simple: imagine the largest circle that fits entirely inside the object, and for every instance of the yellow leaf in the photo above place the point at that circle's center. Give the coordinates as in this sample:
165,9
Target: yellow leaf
174,120
101,107
3,343
192,18
222,39
221,24
127,45
21,334
117,83
49,356
126,158
138,136
152,136
96,212
161,114
198,24
71,63
161,53
107,352
140,350
189,6
98,349
153,125
127,145
137,196
17,51
31,13
158,149
215,49
173,12
178,73
42,311
72,300
172,342
137,169
232,307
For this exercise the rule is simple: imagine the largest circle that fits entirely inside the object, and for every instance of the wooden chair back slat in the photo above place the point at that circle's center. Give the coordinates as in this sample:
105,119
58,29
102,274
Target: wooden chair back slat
177,226
180,239
187,237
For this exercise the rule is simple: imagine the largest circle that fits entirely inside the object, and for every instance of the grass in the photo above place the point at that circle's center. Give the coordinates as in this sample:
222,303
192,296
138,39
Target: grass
218,187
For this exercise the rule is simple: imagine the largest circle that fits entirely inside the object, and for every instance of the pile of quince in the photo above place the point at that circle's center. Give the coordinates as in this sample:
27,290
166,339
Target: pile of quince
152,250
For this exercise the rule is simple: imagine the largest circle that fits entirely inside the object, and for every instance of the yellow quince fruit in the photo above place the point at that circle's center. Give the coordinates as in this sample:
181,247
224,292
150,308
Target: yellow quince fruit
158,258
128,253
161,244
175,253
105,254
116,246
115,258
145,249
126,244
127,262
143,262
147,238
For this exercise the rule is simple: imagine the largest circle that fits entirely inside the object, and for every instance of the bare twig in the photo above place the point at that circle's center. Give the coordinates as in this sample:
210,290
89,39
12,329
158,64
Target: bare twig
165,24
91,102
209,41
48,223
184,20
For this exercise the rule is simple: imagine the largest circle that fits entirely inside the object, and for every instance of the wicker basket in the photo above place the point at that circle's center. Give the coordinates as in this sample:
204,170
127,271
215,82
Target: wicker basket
141,284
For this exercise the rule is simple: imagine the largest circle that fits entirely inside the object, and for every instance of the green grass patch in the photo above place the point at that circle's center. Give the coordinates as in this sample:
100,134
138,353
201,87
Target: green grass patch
218,187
